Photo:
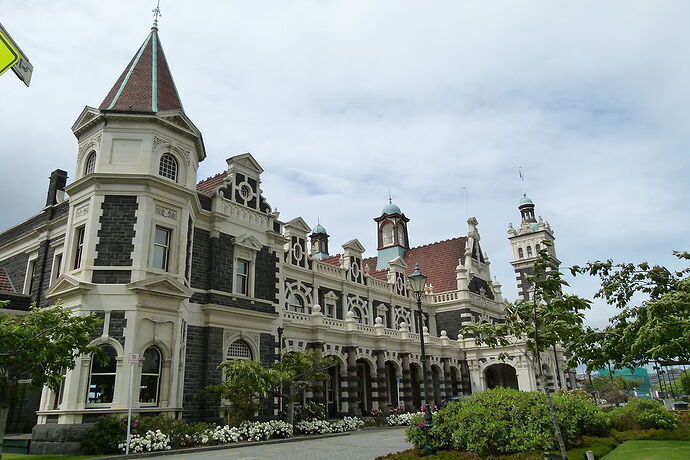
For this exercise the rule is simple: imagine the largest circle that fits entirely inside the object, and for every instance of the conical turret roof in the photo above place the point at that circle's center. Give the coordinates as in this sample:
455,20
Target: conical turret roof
146,84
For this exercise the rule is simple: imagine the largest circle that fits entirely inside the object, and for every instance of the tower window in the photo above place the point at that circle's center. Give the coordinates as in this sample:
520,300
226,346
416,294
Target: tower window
537,247
168,167
529,251
401,235
388,234
161,248
90,164
79,246
521,254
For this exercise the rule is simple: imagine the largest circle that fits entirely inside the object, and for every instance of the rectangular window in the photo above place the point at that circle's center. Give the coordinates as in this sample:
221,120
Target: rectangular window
161,248
57,266
242,277
30,277
79,246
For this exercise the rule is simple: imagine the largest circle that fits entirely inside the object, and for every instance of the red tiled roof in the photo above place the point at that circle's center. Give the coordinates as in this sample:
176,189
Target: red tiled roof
134,90
437,261
207,186
5,282
332,260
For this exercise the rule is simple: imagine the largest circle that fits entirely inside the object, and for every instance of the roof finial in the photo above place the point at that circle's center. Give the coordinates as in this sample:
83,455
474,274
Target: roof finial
467,209
390,200
156,12
522,180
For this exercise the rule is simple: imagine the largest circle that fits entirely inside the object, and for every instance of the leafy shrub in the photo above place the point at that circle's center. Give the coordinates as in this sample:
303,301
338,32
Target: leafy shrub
310,411
642,414
105,436
150,442
504,421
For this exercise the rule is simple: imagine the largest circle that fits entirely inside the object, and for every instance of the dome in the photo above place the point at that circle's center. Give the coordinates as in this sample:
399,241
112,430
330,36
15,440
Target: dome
525,200
318,229
391,208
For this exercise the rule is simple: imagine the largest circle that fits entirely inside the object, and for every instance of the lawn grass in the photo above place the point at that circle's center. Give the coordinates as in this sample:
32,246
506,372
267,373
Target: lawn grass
44,457
651,450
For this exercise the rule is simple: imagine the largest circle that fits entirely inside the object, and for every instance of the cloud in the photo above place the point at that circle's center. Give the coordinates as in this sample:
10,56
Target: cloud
341,100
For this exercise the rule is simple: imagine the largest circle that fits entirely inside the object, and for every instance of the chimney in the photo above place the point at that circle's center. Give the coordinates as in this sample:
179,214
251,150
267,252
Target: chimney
56,187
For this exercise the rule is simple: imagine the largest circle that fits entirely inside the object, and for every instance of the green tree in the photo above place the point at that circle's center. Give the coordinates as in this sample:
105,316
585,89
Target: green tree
614,389
302,370
39,346
534,327
653,323
246,386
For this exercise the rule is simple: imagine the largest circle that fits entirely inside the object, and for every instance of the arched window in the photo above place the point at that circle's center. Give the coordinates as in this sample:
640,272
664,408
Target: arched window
357,315
150,376
239,350
401,235
295,303
521,254
90,166
102,377
537,247
168,167
387,234
529,251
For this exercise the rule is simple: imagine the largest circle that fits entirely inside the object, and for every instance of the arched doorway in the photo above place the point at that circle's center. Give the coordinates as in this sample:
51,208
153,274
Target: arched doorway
364,386
436,377
332,391
392,384
454,381
416,385
501,375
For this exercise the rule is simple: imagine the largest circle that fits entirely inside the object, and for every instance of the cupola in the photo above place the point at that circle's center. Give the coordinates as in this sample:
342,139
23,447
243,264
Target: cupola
392,234
319,242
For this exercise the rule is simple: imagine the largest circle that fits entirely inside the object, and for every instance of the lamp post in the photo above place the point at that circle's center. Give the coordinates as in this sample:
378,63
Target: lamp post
417,282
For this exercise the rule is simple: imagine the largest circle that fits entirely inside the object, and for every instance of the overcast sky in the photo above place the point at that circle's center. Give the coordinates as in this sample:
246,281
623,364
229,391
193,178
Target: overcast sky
340,100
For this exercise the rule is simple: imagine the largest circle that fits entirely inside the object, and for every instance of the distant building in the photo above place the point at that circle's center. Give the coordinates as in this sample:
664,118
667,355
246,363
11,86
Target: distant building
644,390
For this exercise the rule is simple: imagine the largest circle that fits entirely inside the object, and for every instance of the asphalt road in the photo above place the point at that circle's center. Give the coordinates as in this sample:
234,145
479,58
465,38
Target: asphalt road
361,445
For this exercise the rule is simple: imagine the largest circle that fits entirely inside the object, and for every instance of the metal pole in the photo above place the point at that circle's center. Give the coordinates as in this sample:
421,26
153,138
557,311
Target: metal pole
129,405
427,408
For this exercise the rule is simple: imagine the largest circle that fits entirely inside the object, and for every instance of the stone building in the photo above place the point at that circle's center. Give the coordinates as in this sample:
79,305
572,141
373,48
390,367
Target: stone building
188,274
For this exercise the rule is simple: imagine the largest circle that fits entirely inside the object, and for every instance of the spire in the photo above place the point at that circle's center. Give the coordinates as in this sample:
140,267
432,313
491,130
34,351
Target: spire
146,84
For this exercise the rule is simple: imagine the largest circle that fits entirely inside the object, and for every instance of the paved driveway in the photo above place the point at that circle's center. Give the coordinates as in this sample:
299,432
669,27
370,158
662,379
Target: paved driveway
362,445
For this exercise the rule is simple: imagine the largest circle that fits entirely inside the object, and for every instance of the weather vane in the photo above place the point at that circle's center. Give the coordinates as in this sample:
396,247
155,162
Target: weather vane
390,199
522,179
156,12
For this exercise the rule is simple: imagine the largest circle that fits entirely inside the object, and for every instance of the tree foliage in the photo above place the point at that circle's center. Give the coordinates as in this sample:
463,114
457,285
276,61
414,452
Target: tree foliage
656,328
551,318
41,345
246,385
614,389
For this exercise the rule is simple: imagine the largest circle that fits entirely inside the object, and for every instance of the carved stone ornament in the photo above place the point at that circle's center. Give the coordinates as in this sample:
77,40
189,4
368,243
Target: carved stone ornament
82,211
165,212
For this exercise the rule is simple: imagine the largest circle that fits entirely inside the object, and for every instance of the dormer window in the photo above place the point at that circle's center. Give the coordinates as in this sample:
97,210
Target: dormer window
90,166
388,234
168,167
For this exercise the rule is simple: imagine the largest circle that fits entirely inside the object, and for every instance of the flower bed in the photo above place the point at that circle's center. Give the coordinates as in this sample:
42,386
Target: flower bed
401,419
165,434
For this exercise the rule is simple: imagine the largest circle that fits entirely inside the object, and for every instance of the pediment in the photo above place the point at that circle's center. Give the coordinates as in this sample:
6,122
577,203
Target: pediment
298,224
86,116
245,162
67,284
249,242
164,285
354,245
398,263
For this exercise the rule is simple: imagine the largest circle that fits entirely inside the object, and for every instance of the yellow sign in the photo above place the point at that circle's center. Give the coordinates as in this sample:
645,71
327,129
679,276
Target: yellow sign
8,54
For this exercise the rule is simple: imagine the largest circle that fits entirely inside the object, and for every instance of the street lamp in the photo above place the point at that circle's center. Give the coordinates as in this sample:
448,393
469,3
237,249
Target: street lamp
417,282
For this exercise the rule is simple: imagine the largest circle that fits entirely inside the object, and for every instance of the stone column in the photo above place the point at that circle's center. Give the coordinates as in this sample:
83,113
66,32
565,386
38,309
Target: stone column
352,382
465,382
381,382
406,380
447,381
